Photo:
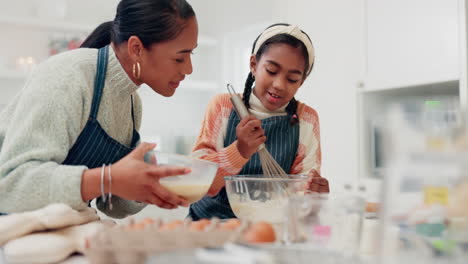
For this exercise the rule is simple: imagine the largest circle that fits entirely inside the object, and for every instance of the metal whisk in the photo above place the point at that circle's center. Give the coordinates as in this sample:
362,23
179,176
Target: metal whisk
270,167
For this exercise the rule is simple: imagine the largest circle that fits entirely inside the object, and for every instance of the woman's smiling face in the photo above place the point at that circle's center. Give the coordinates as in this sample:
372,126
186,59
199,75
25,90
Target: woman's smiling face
166,64
278,74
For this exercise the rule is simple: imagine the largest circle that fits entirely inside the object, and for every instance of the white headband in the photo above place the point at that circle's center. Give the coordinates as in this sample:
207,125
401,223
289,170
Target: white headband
292,30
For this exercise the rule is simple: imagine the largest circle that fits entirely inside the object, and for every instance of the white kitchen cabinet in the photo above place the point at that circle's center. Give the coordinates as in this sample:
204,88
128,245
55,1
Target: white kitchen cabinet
415,53
411,42
369,53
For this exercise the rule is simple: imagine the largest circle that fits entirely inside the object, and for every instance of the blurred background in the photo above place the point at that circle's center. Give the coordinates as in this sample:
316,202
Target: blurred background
370,56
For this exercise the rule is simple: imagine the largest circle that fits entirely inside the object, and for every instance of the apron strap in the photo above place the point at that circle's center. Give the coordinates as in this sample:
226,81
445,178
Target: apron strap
103,55
133,115
136,135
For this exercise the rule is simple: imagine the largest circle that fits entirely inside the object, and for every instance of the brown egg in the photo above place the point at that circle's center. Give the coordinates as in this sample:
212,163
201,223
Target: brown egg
147,221
230,225
137,226
140,225
372,207
170,226
260,232
199,225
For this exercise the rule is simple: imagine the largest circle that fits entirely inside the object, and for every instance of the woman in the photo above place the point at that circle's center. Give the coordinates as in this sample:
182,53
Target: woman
79,113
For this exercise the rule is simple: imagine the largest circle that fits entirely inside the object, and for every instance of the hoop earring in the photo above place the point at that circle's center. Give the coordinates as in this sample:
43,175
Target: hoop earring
136,70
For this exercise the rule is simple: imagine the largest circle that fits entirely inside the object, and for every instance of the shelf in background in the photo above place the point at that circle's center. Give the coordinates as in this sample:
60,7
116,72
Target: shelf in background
44,24
187,86
439,88
66,26
13,75
199,85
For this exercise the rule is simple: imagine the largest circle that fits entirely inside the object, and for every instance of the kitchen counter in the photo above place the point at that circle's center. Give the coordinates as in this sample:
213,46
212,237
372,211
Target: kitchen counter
232,254
75,259
2,259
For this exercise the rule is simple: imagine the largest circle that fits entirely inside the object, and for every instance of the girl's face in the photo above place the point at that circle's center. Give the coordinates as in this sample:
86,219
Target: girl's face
165,64
278,75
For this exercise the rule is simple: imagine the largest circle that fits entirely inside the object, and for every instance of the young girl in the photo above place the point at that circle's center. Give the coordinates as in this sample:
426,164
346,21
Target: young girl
282,58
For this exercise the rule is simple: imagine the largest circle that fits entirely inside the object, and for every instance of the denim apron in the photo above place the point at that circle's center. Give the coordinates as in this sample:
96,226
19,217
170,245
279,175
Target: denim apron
94,146
282,143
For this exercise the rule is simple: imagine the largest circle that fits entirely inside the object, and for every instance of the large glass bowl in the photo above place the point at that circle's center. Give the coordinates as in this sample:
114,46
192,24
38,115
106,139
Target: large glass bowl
192,186
259,198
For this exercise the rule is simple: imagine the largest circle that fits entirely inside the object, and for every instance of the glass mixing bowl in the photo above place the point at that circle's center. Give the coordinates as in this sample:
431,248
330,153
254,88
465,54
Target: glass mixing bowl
258,198
192,186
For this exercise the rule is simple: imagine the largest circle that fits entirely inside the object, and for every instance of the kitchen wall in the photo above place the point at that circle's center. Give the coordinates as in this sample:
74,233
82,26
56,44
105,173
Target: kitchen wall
336,29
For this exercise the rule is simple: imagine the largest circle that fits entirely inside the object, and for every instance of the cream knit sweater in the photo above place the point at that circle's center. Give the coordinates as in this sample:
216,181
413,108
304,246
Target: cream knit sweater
40,125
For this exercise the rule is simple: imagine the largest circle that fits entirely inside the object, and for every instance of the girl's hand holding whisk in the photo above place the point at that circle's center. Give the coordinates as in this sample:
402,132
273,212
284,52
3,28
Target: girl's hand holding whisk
317,183
250,136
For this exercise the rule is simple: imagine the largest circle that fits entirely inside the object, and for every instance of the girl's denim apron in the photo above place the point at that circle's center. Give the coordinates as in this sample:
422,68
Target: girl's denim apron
282,143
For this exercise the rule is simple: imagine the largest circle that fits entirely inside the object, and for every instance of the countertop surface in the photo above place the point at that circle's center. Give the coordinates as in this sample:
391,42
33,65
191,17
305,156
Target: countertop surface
232,254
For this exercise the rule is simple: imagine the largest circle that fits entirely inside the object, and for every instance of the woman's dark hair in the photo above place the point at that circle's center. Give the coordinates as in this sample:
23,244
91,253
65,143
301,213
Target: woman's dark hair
152,21
291,109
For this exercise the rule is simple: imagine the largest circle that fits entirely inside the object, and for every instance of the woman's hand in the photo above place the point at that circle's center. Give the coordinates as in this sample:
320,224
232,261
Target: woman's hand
317,183
250,136
133,179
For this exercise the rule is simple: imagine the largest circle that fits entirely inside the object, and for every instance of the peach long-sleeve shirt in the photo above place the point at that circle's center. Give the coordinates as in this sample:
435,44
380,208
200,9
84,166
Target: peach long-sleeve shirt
210,142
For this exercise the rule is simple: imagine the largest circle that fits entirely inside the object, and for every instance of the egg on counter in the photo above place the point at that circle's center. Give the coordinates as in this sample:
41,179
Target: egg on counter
260,232
230,225
170,226
199,225
142,224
